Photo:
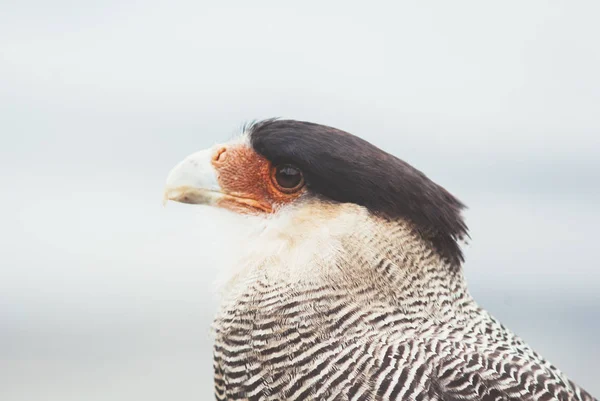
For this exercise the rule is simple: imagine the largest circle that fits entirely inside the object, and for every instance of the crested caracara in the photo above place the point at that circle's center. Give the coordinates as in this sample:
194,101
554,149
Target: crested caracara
353,288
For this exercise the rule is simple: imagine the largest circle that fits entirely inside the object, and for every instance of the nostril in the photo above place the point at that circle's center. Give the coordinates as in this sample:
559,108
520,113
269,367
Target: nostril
219,155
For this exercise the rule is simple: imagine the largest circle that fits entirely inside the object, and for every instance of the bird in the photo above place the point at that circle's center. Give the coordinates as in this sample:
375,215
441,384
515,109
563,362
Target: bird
351,287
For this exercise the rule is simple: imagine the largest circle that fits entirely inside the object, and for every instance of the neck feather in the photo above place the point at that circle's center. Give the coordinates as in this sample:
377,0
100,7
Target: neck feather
345,247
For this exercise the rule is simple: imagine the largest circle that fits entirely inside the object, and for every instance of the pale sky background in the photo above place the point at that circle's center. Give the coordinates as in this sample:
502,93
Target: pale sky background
105,295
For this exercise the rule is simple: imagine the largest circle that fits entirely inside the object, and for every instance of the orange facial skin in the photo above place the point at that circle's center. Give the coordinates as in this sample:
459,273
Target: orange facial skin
246,180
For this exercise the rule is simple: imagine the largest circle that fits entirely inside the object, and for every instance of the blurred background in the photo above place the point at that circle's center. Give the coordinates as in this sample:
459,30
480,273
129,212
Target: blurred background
106,295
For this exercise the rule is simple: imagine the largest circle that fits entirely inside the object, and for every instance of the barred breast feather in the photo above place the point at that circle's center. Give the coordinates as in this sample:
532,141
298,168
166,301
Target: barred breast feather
372,314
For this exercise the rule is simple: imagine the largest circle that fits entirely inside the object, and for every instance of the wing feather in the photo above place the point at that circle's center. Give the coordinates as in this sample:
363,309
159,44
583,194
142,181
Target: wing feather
499,375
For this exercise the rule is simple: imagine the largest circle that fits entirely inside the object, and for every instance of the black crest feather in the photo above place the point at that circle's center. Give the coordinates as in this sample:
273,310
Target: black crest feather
346,168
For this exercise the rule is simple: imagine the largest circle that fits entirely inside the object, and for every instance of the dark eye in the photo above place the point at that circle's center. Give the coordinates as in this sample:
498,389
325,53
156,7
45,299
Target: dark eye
289,177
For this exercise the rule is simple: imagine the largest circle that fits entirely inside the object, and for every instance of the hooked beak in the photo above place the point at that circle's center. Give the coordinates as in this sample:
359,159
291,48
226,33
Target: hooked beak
218,177
194,180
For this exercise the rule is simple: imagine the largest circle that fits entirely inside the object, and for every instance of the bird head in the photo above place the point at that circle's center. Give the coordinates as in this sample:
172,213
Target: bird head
278,165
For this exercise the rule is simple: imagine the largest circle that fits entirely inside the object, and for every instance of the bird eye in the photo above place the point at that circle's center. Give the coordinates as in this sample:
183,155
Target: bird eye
289,178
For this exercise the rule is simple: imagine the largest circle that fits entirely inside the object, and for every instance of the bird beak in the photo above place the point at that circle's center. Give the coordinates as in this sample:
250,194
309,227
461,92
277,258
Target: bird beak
194,180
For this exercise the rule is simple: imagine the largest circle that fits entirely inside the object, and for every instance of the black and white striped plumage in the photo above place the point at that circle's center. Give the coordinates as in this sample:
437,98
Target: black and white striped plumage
352,288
